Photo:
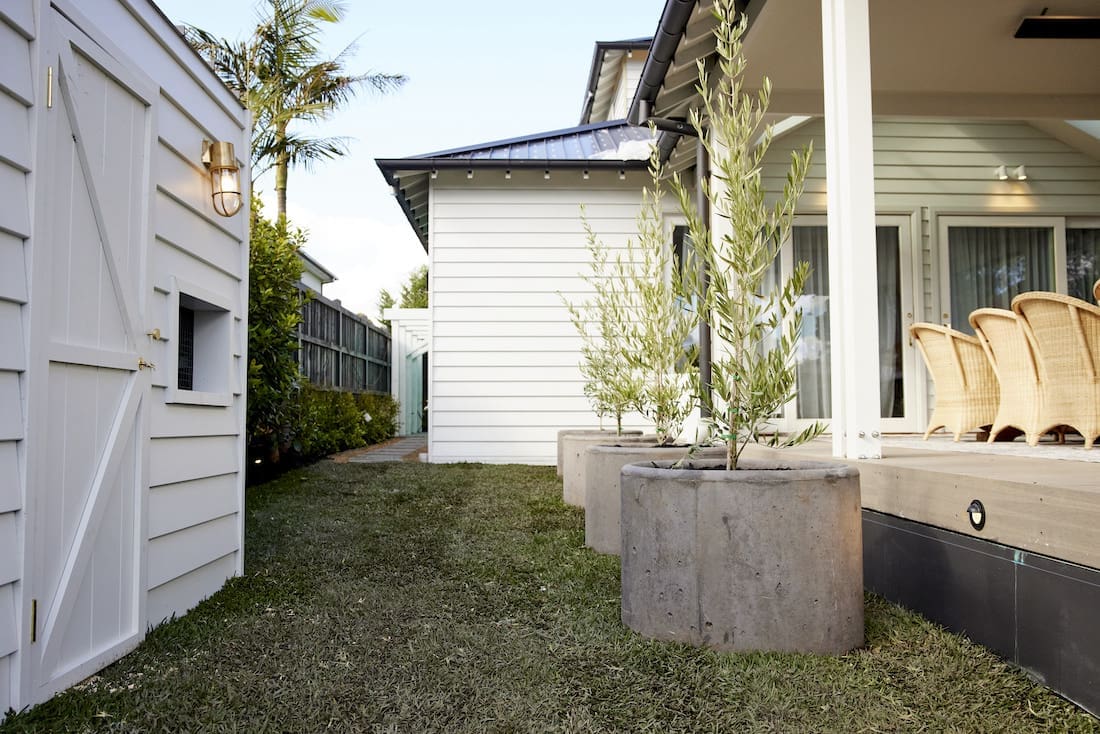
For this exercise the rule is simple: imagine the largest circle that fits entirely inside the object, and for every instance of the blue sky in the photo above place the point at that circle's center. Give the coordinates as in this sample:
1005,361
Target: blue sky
478,71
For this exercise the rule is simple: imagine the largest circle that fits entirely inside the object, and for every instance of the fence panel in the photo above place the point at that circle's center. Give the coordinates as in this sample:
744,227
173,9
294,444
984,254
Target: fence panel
339,349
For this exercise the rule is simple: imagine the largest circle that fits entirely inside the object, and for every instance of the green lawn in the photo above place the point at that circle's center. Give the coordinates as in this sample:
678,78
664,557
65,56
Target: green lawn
420,598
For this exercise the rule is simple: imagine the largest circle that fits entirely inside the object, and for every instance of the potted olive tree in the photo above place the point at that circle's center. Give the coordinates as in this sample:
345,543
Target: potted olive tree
737,553
610,382
654,289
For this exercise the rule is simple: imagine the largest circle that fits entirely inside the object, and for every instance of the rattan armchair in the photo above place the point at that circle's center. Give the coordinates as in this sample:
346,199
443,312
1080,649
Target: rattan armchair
1006,345
966,388
1065,335
1096,291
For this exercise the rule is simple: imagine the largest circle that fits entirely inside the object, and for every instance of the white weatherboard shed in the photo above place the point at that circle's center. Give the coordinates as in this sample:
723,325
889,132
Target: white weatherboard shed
122,338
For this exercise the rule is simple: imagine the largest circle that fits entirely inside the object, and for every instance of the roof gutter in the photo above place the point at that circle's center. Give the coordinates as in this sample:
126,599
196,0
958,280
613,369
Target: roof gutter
674,20
390,166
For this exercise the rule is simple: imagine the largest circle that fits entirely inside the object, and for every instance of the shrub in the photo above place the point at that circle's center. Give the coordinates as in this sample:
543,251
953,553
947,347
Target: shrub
327,421
273,316
383,413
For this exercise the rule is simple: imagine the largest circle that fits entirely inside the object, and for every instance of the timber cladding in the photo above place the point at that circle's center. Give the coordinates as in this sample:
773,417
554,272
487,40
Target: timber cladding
133,478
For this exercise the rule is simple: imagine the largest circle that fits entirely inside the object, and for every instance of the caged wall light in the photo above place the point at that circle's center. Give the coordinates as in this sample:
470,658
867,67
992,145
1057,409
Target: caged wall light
225,177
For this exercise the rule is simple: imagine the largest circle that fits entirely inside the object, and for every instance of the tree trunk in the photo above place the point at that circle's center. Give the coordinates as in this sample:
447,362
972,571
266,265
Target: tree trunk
282,165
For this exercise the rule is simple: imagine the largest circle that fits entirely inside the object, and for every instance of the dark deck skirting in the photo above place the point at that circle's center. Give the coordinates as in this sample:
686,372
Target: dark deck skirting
1040,613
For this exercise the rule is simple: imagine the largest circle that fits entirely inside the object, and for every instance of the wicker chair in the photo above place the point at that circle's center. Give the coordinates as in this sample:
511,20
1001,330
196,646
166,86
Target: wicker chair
1009,352
1065,335
966,388
1096,291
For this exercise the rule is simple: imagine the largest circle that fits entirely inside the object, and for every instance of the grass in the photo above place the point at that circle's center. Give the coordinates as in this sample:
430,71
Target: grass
420,598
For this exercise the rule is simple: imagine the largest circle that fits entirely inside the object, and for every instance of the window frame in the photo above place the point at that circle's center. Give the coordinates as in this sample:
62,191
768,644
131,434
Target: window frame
995,221
221,304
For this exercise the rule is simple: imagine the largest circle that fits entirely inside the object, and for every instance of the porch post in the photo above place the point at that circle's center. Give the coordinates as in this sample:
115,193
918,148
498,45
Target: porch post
853,290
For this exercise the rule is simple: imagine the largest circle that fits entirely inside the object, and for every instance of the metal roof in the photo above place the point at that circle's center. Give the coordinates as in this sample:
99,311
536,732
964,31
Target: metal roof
614,144
614,140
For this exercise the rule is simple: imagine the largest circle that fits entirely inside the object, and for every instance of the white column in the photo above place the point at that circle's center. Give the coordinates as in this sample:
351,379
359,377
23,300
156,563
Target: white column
853,287
398,350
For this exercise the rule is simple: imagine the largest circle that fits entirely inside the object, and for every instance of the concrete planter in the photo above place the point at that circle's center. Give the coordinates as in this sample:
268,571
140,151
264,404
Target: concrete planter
573,445
602,498
769,557
585,432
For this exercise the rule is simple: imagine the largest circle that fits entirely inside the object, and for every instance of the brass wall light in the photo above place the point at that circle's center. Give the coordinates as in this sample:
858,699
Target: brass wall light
225,177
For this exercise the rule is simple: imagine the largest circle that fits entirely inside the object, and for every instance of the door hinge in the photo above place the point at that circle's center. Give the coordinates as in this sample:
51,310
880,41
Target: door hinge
49,87
142,364
34,621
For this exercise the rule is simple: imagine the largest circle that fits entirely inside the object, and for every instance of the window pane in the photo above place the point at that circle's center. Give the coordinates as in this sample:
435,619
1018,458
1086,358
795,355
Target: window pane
989,266
185,373
1082,262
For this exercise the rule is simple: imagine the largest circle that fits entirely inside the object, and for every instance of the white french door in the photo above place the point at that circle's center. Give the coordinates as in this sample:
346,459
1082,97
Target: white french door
985,262
900,391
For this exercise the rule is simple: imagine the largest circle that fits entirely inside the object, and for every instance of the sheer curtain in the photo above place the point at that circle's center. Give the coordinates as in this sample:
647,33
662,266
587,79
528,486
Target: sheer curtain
891,397
1082,261
811,244
989,266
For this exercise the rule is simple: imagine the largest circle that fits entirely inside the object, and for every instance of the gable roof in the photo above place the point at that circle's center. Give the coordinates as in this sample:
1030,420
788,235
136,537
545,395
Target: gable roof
601,145
604,75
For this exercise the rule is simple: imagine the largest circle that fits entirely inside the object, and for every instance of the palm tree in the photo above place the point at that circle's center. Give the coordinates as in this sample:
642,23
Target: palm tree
279,75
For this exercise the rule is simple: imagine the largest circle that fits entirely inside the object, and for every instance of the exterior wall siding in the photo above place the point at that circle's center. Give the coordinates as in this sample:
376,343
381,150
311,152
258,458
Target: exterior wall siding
194,530
504,375
945,167
629,76
17,33
196,477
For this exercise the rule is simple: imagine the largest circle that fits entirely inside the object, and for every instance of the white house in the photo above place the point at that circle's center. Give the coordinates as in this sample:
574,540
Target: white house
315,276
122,336
502,230
501,223
957,163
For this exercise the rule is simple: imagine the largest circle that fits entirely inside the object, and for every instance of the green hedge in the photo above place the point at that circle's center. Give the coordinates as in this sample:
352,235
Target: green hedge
382,410
328,421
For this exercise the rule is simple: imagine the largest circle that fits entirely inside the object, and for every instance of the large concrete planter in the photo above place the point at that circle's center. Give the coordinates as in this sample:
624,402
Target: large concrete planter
573,446
602,496
769,557
602,466
585,432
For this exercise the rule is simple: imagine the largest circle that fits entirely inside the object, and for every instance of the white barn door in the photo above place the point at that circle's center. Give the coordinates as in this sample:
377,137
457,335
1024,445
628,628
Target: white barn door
84,593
